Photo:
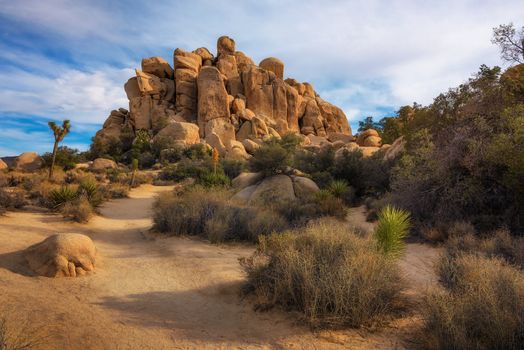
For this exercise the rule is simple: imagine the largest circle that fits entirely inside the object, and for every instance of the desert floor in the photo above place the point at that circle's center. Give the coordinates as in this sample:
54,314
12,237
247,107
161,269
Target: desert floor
153,292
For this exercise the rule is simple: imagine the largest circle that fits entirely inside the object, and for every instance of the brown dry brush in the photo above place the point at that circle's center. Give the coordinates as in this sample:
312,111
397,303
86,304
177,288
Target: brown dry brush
482,306
332,277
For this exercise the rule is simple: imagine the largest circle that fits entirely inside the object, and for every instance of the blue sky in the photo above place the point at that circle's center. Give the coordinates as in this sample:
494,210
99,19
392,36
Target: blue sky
70,58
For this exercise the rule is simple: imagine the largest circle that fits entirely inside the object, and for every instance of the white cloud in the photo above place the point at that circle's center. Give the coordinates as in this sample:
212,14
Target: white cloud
80,96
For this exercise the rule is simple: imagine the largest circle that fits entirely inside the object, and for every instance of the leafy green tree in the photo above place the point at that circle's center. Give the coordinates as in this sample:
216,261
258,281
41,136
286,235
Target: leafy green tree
368,123
59,132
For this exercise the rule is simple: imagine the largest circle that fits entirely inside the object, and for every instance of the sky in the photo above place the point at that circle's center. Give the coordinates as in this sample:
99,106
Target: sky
70,58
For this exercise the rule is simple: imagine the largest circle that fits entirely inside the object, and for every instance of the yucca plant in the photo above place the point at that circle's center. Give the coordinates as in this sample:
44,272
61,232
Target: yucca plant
393,226
59,196
91,191
338,188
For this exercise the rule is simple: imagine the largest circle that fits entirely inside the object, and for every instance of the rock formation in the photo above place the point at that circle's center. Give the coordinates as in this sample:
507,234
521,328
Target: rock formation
62,255
233,103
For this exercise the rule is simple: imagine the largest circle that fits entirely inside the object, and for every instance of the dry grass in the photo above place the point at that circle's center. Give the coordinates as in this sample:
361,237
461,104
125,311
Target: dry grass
330,276
213,216
79,210
482,308
20,334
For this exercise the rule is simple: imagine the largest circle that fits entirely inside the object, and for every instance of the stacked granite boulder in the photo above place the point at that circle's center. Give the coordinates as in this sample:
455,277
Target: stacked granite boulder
225,101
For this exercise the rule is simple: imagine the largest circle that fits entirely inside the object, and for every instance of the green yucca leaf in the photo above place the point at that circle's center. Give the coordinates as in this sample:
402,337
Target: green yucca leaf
393,226
90,190
338,187
62,195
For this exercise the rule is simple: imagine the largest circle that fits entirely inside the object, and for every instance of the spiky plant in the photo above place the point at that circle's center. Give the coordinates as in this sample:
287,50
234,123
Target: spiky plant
62,195
90,189
393,226
59,132
338,188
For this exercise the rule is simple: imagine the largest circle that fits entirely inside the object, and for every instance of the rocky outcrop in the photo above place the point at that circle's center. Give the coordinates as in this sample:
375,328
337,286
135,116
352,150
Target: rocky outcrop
28,161
101,164
254,188
62,255
3,165
228,97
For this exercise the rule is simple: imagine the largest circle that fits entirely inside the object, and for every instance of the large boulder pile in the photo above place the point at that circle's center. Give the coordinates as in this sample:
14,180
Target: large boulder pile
232,102
62,255
255,188
28,161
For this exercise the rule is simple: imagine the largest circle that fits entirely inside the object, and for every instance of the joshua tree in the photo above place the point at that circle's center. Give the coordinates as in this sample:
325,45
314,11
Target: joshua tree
510,41
59,133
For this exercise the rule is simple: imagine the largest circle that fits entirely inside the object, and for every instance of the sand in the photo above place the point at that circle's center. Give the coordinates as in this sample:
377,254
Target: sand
153,292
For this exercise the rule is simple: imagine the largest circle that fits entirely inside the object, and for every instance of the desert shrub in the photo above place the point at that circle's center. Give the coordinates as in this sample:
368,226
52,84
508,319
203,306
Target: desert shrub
197,152
66,158
91,190
464,156
233,168
393,227
146,160
482,308
113,191
200,170
11,199
210,214
79,209
330,276
338,188
274,155
322,178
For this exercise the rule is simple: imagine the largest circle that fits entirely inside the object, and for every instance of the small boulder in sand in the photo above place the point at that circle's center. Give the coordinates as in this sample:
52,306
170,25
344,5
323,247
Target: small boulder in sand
62,255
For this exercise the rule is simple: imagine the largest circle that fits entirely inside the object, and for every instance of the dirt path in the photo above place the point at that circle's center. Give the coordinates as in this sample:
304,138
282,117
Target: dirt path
164,293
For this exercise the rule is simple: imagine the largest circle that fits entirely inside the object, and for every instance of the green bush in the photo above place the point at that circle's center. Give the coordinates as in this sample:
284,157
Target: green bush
330,276
274,155
11,199
233,168
393,227
483,307
66,158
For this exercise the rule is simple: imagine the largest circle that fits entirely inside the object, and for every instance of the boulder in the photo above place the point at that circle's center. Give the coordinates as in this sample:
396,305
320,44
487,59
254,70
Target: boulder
246,179
304,187
204,53
244,195
337,136
235,150
250,146
350,147
62,255
222,128
158,67
243,62
101,164
396,149
183,133
3,165
369,151
131,88
274,189
225,46
214,141
28,161
372,141
212,96
227,65
274,65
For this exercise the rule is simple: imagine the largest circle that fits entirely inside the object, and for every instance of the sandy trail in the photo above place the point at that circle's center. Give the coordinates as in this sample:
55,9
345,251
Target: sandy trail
163,293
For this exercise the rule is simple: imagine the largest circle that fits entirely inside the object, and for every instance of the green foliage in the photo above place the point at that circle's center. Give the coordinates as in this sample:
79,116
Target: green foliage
197,152
58,197
212,180
368,123
89,189
464,155
274,155
66,158
233,168
338,188
79,210
393,227
331,277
